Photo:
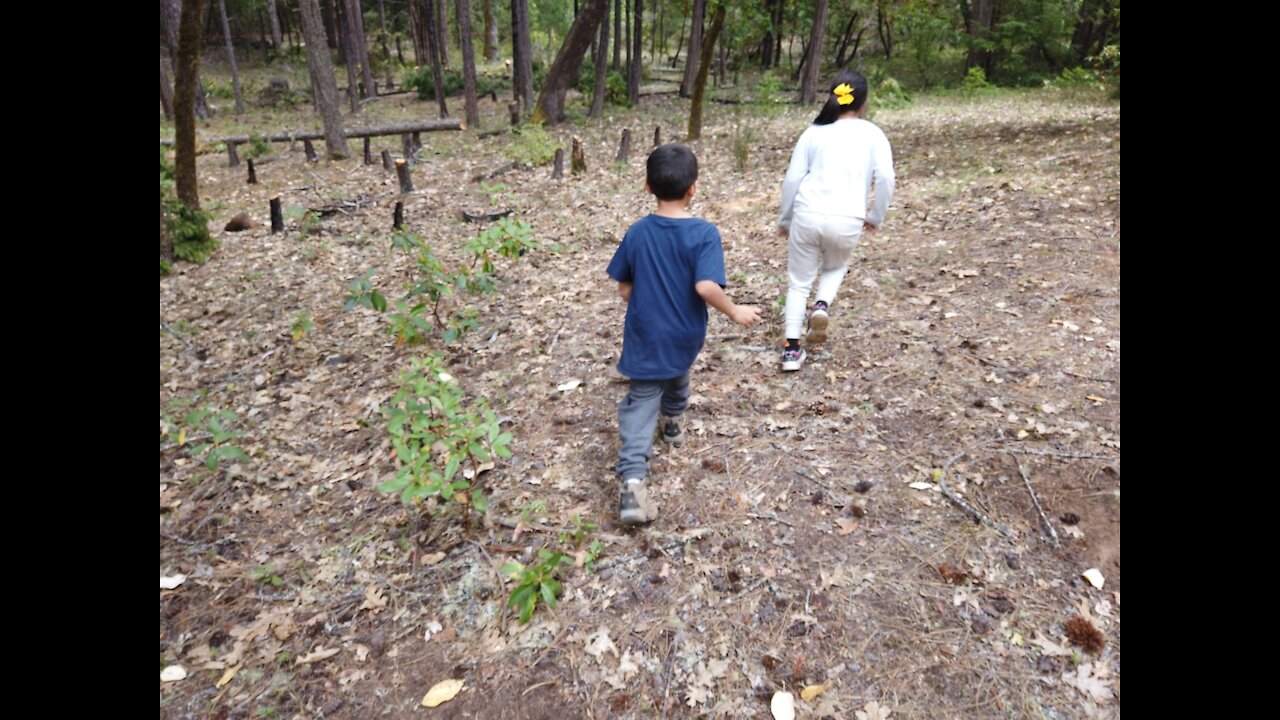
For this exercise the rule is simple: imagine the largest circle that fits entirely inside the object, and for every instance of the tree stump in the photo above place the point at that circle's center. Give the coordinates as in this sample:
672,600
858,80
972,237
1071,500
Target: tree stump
386,161
311,151
624,148
397,221
579,159
253,176
402,171
558,169
233,157
277,216
368,151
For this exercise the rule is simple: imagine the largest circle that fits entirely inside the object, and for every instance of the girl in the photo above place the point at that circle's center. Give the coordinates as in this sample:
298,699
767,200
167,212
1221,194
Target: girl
824,205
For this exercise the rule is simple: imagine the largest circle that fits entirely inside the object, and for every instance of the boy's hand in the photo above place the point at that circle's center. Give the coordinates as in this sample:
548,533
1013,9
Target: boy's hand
783,232
745,315
868,227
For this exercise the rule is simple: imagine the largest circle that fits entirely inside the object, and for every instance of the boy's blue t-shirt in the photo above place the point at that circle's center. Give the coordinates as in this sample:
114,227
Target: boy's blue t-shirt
666,322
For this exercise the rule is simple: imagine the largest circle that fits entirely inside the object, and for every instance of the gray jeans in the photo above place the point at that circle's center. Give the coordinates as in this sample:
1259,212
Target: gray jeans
638,416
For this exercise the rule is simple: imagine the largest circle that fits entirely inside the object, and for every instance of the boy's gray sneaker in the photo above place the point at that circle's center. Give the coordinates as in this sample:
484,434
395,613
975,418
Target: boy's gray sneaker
634,505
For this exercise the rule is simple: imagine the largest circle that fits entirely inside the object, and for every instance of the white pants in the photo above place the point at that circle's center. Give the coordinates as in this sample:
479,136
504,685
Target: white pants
817,243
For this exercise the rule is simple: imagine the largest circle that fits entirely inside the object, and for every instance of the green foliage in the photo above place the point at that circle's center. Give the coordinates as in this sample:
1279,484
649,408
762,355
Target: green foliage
423,80
258,146
361,292
975,81
533,146
202,431
187,226
437,433
615,85
267,576
301,325
536,582
889,95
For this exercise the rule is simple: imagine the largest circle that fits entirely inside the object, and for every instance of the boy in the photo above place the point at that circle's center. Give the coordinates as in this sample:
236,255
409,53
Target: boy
669,267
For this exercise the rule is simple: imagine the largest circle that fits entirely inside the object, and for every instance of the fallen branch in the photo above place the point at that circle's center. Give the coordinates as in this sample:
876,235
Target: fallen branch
485,218
959,501
479,177
1053,534
1051,453
394,129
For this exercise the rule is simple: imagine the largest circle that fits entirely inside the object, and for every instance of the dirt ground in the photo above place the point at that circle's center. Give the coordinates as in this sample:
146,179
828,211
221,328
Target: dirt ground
804,538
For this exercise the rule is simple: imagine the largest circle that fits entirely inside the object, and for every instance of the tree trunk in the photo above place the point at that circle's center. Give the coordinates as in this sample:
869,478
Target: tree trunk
386,49
442,31
557,164
637,52
845,37
231,56
468,62
704,68
618,39
166,93
522,46
626,44
326,86
601,60
550,107
884,26
695,48
330,27
187,72
274,18
490,32
362,49
348,54
433,31
809,87
166,240
171,15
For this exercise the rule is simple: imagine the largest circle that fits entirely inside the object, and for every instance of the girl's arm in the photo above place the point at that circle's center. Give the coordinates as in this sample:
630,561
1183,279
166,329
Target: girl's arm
791,183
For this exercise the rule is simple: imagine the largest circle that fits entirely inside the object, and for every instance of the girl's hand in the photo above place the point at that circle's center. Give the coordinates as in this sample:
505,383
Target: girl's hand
783,232
868,227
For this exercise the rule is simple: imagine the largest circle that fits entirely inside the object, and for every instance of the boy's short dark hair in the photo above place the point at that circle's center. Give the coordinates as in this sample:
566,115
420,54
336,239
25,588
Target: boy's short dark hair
671,171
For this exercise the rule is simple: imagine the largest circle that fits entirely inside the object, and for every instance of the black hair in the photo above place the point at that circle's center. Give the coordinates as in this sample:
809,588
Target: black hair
671,170
833,108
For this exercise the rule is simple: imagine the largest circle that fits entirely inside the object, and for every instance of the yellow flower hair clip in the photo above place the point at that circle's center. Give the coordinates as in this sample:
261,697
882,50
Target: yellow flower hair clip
844,94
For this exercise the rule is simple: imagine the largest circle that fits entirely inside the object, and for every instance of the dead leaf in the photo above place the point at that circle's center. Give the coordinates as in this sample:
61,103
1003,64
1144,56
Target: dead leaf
921,486
317,656
847,525
173,673
1090,679
812,692
373,599
169,582
873,711
835,578
599,643
567,386
433,558
442,692
783,706
1050,648
228,675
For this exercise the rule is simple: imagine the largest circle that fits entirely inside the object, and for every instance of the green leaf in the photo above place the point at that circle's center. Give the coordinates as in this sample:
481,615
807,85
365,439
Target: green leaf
549,594
512,568
520,595
379,302
451,469
526,612
396,484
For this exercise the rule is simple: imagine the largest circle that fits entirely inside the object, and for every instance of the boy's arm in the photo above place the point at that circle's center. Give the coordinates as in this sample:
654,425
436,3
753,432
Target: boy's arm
713,295
624,289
